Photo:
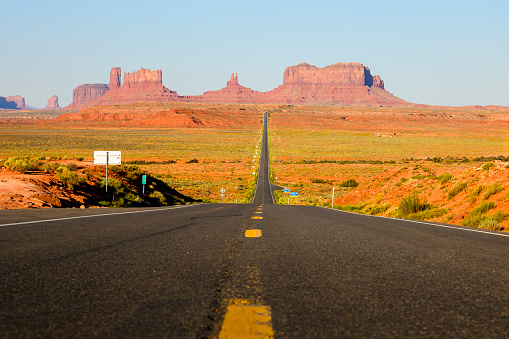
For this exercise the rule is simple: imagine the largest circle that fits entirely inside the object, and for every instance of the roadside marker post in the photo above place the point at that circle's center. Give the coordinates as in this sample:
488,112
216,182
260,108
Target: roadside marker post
106,158
332,197
287,190
144,182
222,190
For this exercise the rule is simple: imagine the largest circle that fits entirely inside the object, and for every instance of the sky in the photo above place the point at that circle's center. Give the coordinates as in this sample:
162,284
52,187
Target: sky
445,52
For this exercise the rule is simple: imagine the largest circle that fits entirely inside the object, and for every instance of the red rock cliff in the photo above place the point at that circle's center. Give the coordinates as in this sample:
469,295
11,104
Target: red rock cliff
143,79
86,93
342,74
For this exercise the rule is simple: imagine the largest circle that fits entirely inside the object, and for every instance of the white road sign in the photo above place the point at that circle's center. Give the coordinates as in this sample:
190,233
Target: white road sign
114,157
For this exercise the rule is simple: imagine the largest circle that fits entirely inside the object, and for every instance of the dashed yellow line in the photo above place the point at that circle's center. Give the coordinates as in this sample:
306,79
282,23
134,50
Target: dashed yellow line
255,233
256,217
244,319
258,212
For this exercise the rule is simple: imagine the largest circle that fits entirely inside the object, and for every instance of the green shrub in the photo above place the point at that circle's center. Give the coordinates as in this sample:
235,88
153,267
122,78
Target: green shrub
349,183
493,189
487,166
318,181
379,209
474,193
460,186
22,164
159,197
69,177
443,178
50,167
411,204
193,161
478,214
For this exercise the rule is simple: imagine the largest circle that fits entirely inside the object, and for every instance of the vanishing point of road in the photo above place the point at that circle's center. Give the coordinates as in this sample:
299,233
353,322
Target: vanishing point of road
247,271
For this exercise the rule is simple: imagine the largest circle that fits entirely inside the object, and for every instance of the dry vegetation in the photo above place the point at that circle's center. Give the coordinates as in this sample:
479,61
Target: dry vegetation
427,164
447,165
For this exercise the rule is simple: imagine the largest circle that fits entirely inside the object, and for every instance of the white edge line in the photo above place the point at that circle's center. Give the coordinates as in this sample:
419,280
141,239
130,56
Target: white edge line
94,215
456,227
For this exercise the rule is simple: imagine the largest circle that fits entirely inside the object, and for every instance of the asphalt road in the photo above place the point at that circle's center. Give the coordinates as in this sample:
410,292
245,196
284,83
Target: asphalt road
320,273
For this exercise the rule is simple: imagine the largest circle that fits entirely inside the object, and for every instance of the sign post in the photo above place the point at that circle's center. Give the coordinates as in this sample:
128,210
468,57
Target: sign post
287,190
222,193
294,194
332,197
106,158
144,182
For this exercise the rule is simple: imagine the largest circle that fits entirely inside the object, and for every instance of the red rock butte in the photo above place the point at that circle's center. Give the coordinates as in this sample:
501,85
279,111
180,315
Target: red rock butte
12,102
349,84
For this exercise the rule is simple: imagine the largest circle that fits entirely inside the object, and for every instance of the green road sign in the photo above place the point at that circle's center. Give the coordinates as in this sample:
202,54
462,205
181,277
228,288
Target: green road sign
144,179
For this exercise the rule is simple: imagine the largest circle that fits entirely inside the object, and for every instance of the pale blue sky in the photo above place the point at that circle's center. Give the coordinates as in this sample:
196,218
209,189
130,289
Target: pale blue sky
444,52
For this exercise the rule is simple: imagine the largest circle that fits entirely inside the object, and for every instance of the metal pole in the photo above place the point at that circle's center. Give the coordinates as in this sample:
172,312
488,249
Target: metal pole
333,197
107,158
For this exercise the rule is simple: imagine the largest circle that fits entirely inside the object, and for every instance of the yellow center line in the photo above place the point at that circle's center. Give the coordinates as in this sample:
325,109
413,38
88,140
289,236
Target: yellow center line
244,319
258,212
256,217
255,233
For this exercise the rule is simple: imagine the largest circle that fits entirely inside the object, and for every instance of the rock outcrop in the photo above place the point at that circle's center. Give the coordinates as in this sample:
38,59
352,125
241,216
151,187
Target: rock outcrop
232,93
52,103
115,76
83,94
12,102
141,85
348,83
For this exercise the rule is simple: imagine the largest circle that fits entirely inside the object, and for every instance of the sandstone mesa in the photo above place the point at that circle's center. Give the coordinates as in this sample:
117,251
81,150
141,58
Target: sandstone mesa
344,83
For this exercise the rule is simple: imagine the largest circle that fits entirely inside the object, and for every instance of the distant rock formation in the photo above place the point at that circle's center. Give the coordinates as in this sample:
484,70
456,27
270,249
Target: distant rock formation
344,83
12,102
232,93
348,84
52,103
115,76
83,94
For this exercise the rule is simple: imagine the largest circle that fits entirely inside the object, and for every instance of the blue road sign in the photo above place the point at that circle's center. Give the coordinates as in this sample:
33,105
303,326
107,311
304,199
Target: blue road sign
294,194
287,190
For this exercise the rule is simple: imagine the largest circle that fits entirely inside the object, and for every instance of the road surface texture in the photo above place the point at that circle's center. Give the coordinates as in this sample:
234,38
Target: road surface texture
247,270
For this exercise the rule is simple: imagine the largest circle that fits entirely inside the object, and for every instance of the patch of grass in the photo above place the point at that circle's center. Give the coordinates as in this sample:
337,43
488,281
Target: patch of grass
478,214
378,209
444,178
353,208
492,189
401,182
460,186
474,193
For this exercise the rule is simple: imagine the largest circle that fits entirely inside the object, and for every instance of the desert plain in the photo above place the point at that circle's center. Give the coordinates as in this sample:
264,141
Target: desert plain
436,164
